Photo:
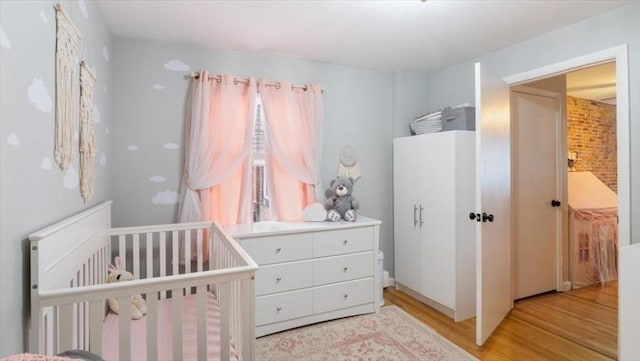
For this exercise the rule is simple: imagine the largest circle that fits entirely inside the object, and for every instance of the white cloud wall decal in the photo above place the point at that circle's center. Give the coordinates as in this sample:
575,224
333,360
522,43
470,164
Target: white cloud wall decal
71,178
176,65
4,40
83,8
43,16
158,87
165,197
39,96
170,146
13,139
46,163
132,147
105,53
96,113
157,179
103,159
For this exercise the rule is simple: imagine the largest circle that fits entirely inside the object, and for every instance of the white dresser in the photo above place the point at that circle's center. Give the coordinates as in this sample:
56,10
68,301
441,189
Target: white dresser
311,271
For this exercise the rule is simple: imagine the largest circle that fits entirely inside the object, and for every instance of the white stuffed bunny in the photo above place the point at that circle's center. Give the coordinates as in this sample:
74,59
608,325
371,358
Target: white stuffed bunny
118,274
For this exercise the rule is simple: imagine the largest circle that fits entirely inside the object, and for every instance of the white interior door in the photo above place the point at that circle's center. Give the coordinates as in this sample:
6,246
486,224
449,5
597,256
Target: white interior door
493,191
536,195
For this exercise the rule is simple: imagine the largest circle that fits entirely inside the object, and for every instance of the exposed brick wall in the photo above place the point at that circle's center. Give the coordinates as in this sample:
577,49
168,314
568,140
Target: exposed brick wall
591,129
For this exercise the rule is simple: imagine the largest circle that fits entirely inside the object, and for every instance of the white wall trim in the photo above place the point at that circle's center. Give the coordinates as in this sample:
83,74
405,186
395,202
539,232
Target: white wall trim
619,54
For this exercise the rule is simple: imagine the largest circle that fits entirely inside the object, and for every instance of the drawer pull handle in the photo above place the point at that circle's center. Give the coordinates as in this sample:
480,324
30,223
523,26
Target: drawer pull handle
278,309
345,269
278,250
345,296
278,279
345,242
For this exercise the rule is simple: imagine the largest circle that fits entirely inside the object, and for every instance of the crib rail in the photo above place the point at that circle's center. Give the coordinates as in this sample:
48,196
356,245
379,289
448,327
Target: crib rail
170,261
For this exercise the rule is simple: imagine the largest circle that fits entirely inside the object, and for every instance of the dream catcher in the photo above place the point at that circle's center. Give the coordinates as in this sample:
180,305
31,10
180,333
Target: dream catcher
348,166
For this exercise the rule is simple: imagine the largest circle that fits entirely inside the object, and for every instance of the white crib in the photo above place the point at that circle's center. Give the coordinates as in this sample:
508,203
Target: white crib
68,290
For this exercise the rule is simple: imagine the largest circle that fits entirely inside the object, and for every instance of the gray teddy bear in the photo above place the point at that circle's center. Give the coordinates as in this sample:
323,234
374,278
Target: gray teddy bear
340,204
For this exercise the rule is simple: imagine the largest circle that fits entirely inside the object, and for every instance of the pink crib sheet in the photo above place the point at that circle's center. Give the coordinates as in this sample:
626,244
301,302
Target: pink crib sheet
165,343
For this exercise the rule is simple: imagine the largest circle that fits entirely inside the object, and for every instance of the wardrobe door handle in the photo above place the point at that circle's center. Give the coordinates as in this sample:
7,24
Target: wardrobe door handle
421,221
415,219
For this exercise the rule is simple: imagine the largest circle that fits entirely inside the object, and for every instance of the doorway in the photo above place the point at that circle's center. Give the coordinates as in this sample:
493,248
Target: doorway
568,150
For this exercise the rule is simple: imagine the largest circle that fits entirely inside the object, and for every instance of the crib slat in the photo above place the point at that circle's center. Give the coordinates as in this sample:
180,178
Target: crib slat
175,256
136,255
187,252
163,260
201,297
122,249
100,266
210,236
65,327
246,304
124,329
176,313
149,248
96,311
80,313
50,338
199,254
223,299
152,326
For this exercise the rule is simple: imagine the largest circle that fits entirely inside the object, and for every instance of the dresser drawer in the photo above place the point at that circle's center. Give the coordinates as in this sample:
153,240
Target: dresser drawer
329,243
283,306
283,277
342,268
275,249
343,295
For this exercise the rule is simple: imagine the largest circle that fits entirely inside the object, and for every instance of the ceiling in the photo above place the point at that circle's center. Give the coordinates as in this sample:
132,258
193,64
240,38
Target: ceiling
596,83
390,35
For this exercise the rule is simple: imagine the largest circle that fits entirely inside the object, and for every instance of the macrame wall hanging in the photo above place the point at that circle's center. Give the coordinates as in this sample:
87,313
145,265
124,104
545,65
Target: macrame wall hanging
88,148
349,166
67,36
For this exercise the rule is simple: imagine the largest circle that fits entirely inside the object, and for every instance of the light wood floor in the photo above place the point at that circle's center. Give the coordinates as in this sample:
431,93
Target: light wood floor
580,324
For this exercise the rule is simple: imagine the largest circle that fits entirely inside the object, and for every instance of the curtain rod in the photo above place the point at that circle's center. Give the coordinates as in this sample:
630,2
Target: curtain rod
240,80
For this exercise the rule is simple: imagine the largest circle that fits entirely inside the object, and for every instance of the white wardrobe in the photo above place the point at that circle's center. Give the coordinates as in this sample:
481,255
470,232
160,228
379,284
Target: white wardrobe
434,237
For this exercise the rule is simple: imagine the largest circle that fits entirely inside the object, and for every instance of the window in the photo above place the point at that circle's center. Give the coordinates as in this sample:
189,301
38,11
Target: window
259,193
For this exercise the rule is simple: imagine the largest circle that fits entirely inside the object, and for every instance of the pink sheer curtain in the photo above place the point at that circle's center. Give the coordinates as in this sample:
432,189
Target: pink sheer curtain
293,146
216,182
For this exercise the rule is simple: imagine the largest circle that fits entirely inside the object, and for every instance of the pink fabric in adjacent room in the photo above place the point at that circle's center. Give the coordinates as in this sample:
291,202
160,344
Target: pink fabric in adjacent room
294,136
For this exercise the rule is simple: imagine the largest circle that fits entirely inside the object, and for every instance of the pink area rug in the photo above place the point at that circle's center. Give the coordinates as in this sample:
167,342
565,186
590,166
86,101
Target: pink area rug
390,335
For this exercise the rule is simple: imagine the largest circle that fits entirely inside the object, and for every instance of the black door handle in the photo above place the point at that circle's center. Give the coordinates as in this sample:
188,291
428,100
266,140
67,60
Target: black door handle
475,216
555,203
487,217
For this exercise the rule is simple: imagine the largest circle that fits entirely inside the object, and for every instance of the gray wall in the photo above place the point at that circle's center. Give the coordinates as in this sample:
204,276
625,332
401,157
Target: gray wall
149,103
455,84
32,188
410,99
